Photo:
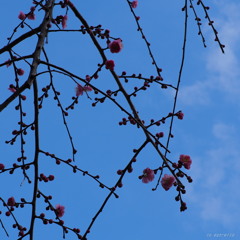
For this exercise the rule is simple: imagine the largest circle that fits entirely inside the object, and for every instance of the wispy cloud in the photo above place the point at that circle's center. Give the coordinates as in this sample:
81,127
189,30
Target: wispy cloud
195,94
223,131
215,190
223,70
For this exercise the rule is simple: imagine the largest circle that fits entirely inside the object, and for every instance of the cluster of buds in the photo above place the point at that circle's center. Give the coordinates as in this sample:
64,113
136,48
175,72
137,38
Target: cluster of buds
125,121
46,179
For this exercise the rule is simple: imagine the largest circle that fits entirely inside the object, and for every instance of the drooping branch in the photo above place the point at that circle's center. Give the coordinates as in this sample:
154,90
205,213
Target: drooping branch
128,108
36,55
36,160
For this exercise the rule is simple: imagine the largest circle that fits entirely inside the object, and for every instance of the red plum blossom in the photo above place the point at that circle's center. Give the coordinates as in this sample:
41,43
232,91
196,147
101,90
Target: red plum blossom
180,115
167,181
21,15
115,46
31,15
186,161
110,64
148,175
80,90
134,4
60,210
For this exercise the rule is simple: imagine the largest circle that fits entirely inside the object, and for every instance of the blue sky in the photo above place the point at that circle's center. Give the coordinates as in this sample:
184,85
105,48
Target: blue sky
209,133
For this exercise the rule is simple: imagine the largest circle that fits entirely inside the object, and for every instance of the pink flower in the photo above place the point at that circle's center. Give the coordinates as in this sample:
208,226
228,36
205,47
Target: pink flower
167,181
31,16
20,71
115,46
110,64
80,90
2,166
87,89
11,202
60,210
64,21
21,15
12,89
148,175
186,161
180,115
134,4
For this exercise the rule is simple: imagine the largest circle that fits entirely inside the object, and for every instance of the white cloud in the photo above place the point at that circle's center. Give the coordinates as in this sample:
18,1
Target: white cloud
223,70
195,94
215,209
223,131
216,187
